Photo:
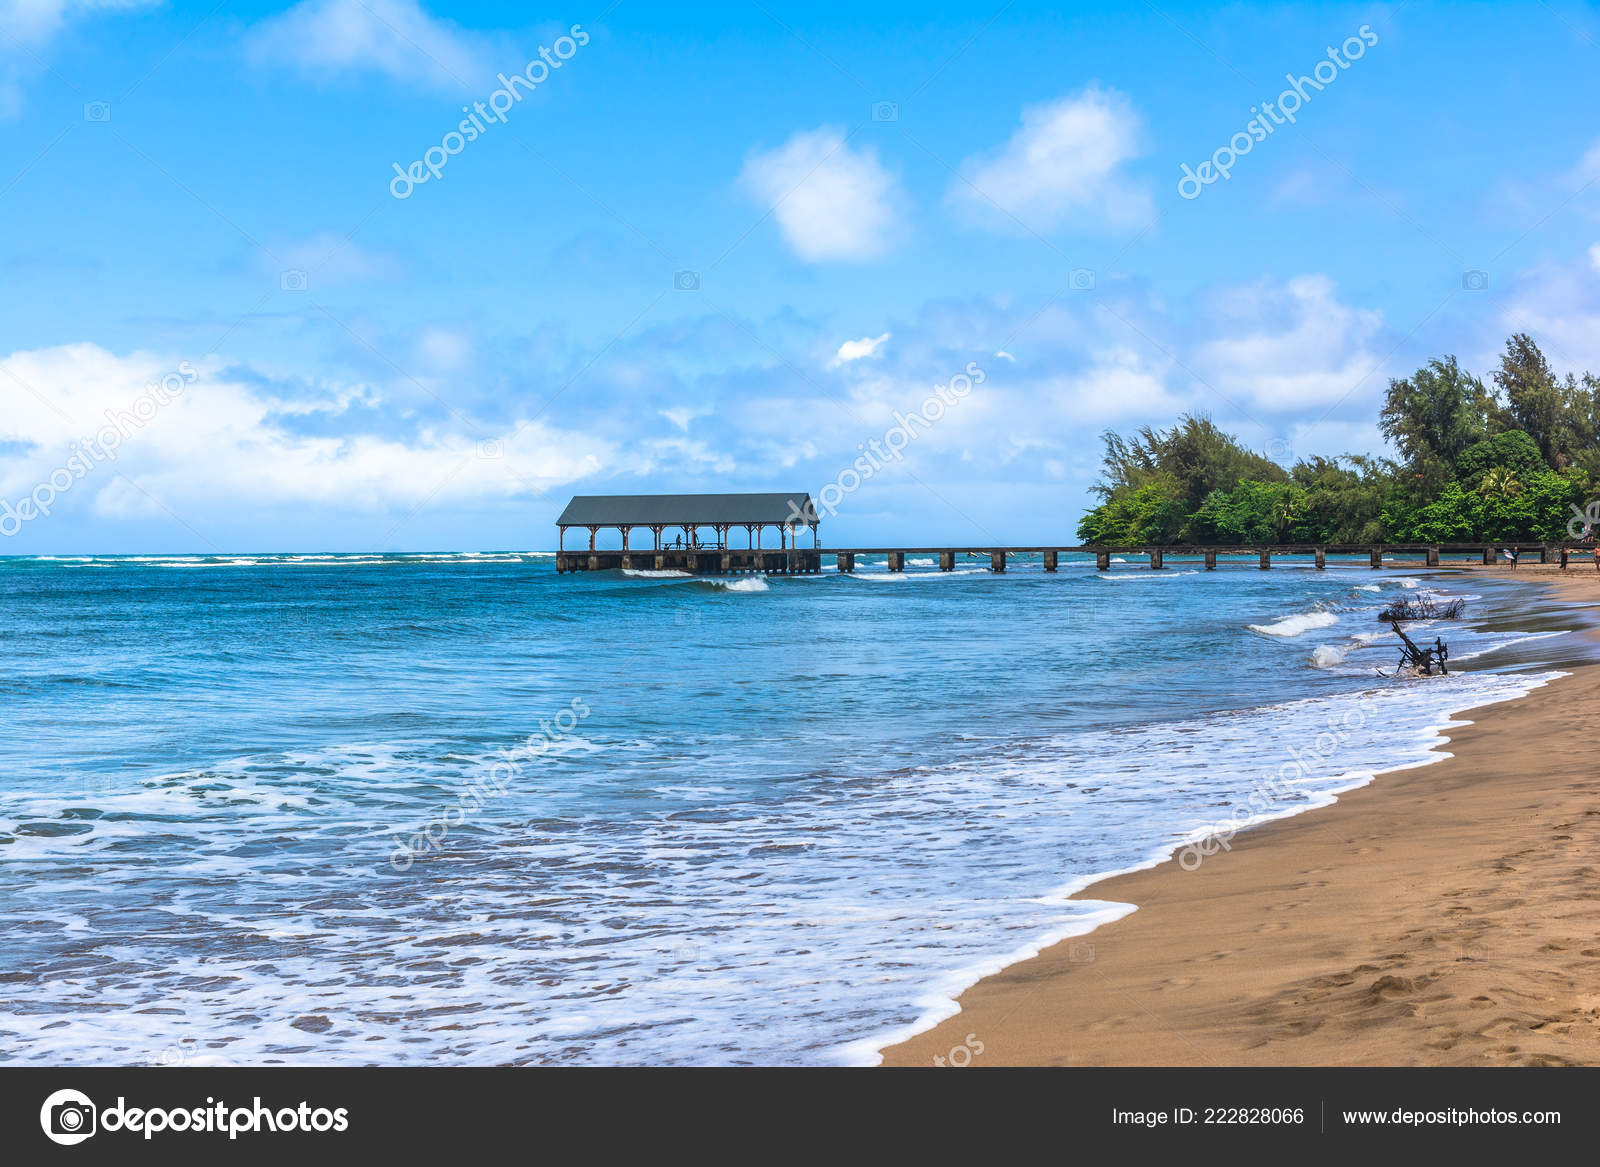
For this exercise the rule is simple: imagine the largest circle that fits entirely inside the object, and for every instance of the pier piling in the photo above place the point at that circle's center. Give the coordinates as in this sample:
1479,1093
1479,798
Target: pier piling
847,561
1050,560
1102,560
1266,560
947,561
897,561
997,561
1322,559
1156,563
1377,558
1433,557
1211,561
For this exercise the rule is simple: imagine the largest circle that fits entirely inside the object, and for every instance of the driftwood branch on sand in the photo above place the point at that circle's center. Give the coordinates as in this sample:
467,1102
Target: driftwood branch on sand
1420,662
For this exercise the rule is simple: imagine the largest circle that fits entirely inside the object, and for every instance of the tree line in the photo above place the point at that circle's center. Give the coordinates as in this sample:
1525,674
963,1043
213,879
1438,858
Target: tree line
1496,462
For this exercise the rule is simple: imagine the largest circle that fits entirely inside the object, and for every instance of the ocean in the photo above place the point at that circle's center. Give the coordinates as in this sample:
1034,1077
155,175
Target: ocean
455,809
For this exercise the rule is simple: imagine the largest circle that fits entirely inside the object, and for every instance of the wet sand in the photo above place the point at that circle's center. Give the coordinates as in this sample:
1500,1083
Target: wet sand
1444,915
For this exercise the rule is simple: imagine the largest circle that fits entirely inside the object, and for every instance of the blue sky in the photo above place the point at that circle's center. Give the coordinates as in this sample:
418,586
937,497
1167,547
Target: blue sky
208,186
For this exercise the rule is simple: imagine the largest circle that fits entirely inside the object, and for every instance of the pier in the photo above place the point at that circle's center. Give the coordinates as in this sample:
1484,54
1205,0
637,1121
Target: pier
787,516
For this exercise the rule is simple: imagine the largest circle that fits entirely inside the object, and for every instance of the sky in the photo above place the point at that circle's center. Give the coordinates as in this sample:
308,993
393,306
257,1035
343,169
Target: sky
379,275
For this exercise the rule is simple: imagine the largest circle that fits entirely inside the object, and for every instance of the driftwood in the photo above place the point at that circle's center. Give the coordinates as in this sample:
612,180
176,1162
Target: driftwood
1421,662
1422,607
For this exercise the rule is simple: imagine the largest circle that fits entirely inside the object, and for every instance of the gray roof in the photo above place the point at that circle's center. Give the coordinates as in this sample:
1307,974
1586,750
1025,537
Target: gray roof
673,510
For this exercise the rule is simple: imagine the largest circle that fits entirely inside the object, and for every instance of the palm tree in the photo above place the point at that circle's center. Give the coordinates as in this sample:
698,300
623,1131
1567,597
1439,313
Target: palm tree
1285,512
1499,482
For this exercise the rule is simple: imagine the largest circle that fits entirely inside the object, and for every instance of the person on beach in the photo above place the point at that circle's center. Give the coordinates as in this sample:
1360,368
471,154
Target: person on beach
1563,559
1597,556
1516,554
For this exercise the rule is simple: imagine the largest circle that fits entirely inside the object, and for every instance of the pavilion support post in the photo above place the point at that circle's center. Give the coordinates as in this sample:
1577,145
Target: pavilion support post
1156,563
561,539
592,532
1322,559
1211,561
1377,558
625,531
947,561
1266,559
656,531
1102,560
1049,560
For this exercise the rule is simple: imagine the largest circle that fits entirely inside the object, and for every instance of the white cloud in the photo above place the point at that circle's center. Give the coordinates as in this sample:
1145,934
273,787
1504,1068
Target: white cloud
1064,165
1559,305
396,38
444,349
328,259
225,447
681,415
29,27
831,202
1288,346
855,350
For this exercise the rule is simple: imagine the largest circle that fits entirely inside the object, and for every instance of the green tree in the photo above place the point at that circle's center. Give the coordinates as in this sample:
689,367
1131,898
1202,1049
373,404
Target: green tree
1539,402
1513,450
1194,455
1500,483
1432,417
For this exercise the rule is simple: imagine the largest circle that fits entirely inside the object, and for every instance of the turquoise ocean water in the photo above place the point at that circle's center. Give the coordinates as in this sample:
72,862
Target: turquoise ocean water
455,809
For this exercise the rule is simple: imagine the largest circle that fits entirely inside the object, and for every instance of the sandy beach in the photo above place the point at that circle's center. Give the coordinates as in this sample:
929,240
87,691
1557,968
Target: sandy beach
1443,915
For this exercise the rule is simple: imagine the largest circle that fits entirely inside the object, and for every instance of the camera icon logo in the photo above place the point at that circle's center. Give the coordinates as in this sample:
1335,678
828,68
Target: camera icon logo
1081,279
686,281
293,280
885,111
1474,280
68,1117
97,111
1280,450
491,450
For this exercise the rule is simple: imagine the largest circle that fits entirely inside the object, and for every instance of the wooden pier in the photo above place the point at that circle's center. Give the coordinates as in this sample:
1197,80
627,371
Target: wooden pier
726,561
788,515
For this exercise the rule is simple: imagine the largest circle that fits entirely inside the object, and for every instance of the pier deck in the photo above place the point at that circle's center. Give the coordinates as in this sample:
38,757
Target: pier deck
726,561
